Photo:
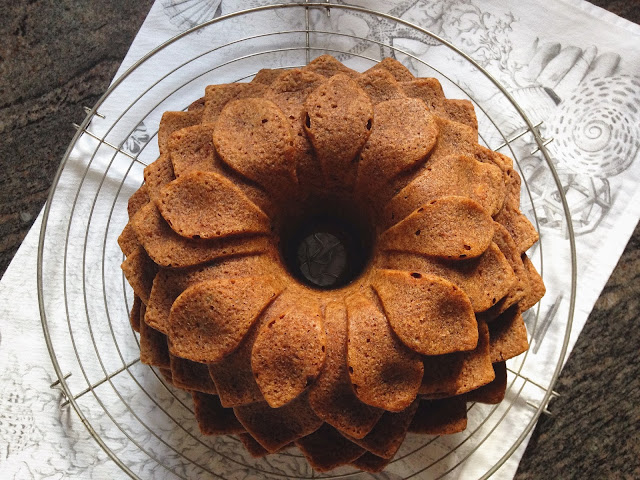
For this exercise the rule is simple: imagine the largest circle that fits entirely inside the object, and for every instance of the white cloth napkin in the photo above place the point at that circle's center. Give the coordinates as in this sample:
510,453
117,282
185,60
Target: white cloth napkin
569,64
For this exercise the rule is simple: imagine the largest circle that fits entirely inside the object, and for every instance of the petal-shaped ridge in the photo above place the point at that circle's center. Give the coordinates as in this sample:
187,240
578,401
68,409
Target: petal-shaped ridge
450,227
387,436
140,272
431,315
191,376
209,320
457,373
325,449
254,138
274,428
494,391
213,418
208,205
508,335
338,121
371,463
191,149
383,371
328,66
168,284
332,396
157,175
457,175
440,417
395,146
289,351
138,200
393,66
485,279
168,249
174,121
153,344
289,93
380,85
218,96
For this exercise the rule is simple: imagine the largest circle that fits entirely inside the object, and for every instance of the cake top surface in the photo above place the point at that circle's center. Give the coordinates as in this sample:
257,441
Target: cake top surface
338,240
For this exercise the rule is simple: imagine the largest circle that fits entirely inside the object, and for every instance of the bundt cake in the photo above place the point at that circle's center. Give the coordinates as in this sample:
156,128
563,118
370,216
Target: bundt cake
329,259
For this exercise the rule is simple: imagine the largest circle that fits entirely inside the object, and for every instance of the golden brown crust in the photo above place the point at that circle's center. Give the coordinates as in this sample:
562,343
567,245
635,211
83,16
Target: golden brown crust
331,396
440,417
325,449
429,314
383,371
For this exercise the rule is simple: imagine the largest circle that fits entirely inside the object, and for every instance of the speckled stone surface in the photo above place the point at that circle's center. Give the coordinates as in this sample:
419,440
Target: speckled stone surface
58,55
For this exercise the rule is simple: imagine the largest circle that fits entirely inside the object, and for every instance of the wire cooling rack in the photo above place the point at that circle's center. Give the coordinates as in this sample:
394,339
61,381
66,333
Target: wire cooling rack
145,425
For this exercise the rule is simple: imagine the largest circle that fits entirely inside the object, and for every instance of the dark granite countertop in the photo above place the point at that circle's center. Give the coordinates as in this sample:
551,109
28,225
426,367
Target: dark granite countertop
58,56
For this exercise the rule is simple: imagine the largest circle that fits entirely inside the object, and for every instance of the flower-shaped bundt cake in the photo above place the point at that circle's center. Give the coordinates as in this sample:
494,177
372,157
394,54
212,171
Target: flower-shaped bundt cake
434,277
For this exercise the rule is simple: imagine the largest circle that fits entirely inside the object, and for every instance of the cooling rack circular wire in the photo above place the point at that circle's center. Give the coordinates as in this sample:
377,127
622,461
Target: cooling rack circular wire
144,425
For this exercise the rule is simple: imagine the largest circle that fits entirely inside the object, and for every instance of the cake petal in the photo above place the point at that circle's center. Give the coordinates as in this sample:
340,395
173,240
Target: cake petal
485,279
508,335
168,284
273,428
461,111
209,320
339,117
535,288
371,463
207,205
138,200
191,376
289,352
128,241
172,122
428,90
191,149
331,396
253,137
140,272
455,138
388,434
450,227
289,92
153,345
157,175
168,249
325,449
393,66
394,146
380,85
445,176
134,315
493,392
429,314
457,373
213,418
383,371
233,376
507,246
216,97
267,76
291,89
518,226
440,417
328,66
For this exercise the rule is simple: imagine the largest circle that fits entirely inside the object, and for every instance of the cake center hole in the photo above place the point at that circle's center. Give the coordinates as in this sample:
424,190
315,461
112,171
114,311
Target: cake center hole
326,253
